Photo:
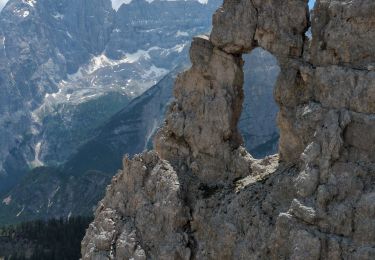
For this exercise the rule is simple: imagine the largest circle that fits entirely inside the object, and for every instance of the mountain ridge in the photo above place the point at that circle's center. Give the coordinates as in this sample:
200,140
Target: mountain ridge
57,61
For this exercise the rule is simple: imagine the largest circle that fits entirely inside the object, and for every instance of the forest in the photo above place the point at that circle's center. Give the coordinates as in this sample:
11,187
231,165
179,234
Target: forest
58,239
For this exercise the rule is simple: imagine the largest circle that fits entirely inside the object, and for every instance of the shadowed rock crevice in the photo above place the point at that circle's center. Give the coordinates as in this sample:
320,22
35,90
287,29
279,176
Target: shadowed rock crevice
315,200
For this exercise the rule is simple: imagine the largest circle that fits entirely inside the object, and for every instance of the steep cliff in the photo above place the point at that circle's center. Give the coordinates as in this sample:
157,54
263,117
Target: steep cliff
201,195
62,59
48,192
41,43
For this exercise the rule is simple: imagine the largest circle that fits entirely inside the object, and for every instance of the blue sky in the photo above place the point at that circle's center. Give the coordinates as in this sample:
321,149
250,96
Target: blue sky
311,3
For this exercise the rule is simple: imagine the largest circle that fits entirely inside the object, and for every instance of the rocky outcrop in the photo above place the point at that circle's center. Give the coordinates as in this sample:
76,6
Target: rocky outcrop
200,195
43,192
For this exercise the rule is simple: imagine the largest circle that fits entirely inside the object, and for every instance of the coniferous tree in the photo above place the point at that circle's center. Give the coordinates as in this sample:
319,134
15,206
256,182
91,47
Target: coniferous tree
55,239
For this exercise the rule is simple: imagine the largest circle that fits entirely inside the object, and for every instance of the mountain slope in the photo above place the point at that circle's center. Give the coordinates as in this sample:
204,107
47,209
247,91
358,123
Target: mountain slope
258,120
60,58
75,187
201,195
130,132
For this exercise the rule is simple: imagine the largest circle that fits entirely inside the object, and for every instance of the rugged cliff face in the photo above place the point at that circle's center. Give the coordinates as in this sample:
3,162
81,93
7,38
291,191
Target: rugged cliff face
201,195
77,134
62,59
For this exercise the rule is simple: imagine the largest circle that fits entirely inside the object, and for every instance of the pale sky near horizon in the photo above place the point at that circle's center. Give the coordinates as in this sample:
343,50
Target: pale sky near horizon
311,3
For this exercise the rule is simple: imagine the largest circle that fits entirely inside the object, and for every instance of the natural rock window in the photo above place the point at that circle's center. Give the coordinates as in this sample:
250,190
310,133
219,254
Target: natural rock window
308,33
200,195
258,119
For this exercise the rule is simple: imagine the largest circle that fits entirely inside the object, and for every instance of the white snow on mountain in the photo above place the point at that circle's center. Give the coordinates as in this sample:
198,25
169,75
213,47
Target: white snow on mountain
131,75
102,61
116,4
30,2
2,4
182,34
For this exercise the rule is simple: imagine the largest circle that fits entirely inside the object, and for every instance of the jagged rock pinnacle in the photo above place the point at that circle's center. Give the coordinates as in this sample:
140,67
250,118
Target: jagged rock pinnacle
201,195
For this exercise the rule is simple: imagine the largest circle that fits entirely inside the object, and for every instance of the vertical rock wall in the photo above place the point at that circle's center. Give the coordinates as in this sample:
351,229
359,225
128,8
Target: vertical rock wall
202,196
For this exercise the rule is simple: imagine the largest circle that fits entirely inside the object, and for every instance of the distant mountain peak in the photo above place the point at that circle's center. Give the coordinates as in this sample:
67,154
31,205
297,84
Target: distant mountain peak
116,4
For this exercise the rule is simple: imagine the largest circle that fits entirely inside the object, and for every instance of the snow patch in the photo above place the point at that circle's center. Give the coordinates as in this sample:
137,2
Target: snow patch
179,48
34,131
21,12
2,4
53,194
116,4
35,117
3,43
31,3
102,61
154,72
25,14
89,96
131,75
182,34
58,16
7,200
136,56
19,213
37,162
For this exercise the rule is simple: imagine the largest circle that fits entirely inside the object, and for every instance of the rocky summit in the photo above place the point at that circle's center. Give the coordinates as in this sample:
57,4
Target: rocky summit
201,195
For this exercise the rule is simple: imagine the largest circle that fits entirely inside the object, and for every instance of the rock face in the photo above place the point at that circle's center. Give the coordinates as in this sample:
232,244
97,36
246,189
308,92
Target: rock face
61,59
201,195
43,192
58,65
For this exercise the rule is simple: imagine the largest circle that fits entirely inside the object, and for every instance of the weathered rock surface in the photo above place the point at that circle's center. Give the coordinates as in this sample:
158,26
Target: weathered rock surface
205,194
41,193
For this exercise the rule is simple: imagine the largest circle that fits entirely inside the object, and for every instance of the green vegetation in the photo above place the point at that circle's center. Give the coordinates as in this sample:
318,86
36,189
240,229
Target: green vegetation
52,239
78,194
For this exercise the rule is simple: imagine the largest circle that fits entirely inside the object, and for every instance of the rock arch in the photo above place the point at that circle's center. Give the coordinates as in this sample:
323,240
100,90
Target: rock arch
209,96
202,196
